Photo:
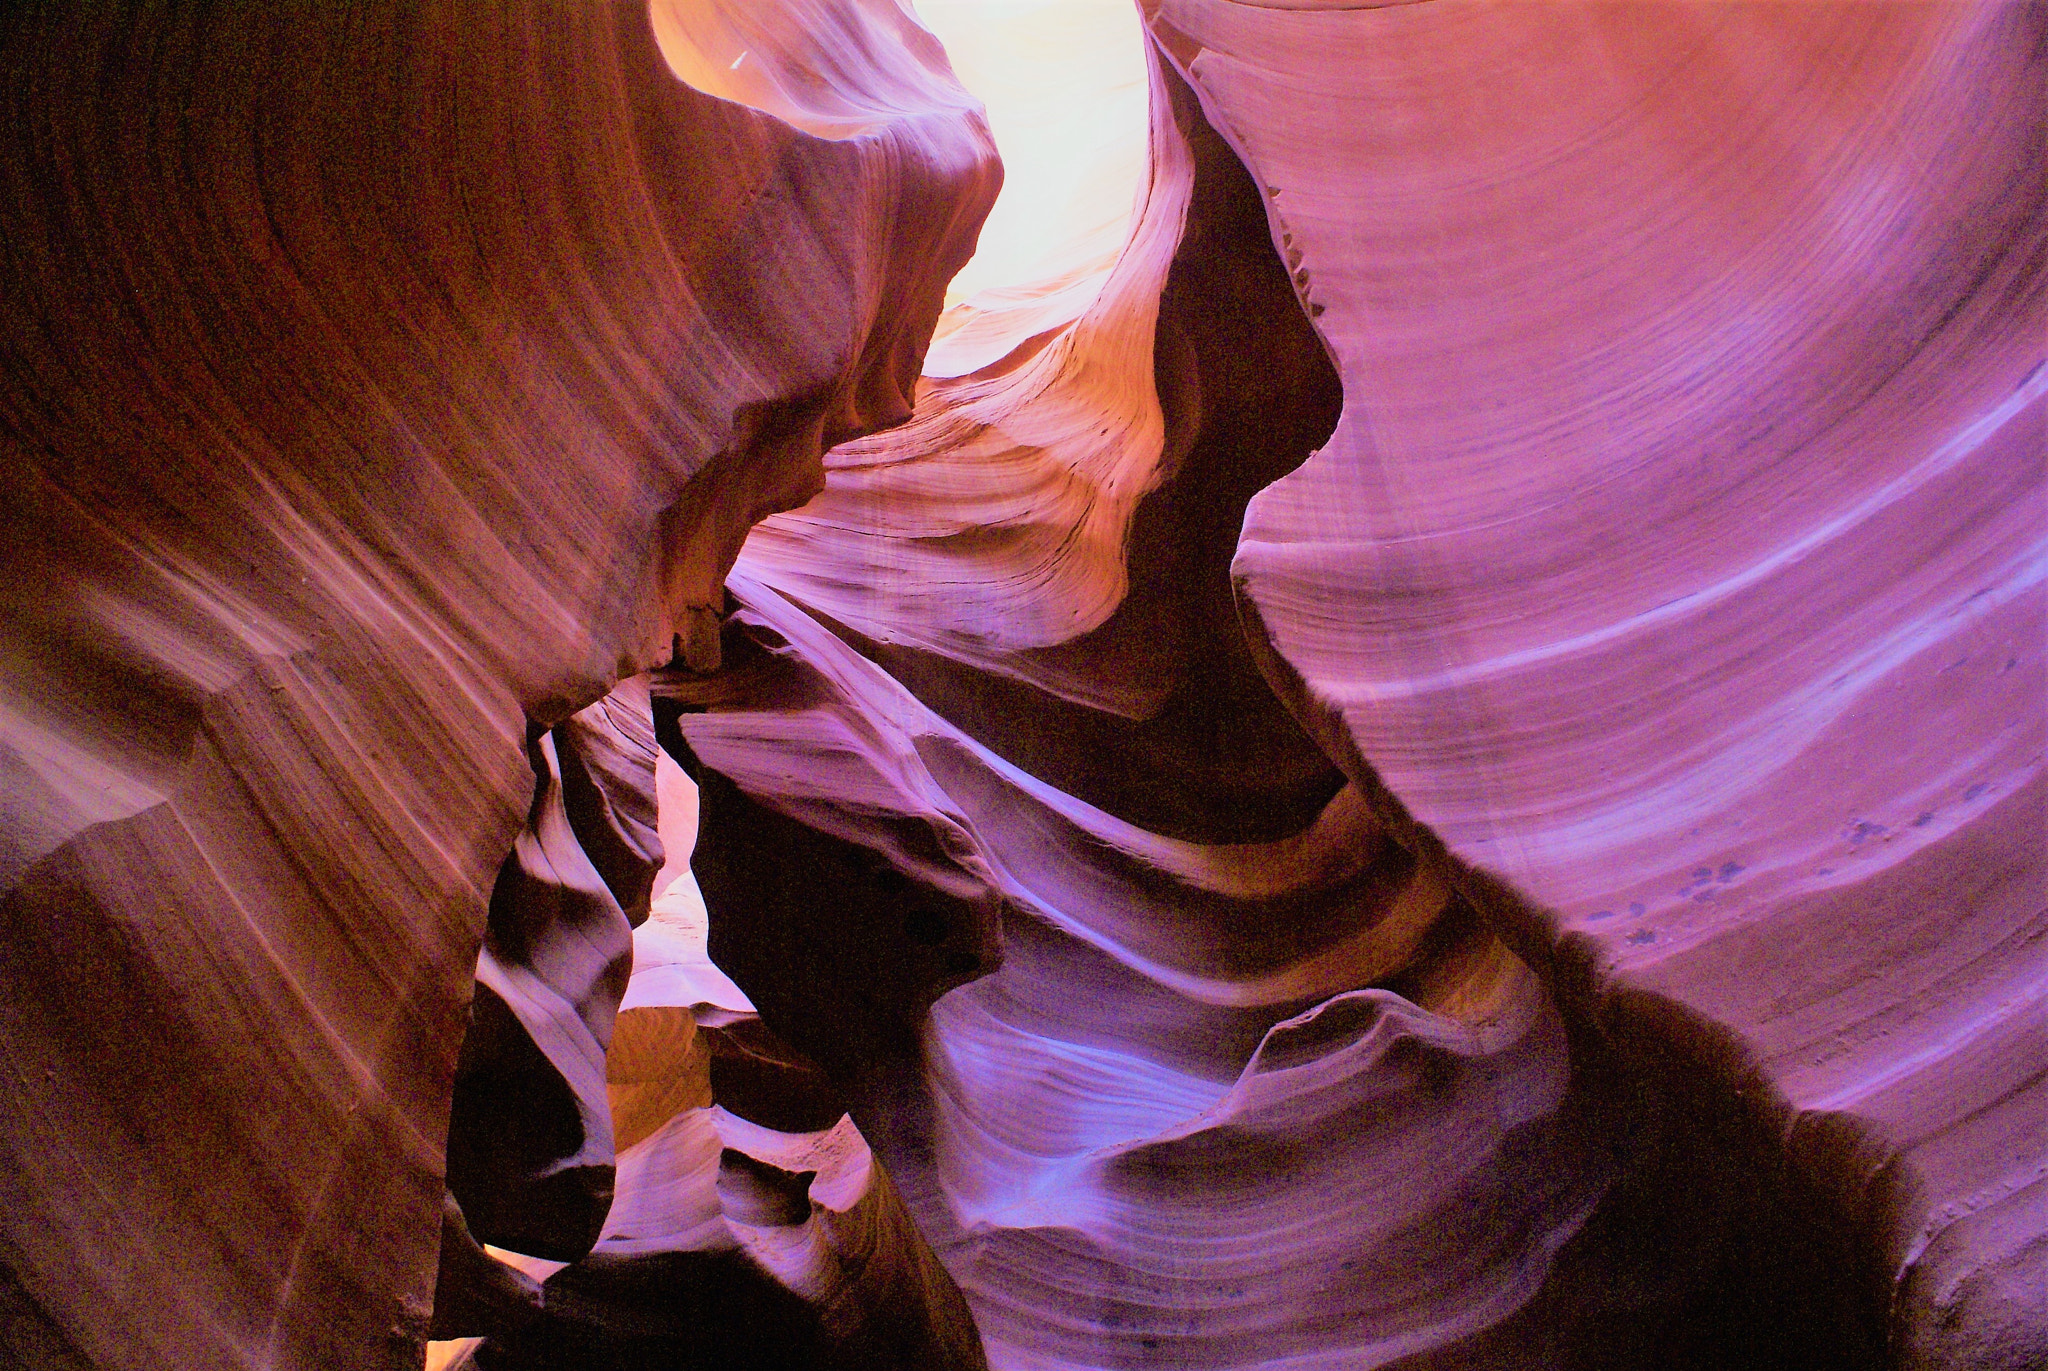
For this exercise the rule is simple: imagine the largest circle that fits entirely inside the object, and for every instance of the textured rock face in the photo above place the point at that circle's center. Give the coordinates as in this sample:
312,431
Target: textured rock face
380,385
1438,766
1627,947
1229,1002
1687,515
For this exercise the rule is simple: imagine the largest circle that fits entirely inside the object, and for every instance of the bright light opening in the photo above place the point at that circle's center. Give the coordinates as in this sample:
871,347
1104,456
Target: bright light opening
1064,85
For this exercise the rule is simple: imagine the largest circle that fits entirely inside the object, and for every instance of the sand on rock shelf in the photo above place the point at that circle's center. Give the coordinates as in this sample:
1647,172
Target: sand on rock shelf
1404,729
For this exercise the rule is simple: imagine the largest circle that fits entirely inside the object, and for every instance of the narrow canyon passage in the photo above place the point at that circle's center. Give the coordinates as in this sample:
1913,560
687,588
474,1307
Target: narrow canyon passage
1390,716
1111,1140
1250,1078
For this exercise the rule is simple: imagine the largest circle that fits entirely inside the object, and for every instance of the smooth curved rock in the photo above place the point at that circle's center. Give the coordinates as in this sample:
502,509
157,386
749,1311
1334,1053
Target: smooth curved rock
1203,1038
530,1132
1675,557
751,1225
1687,516
378,383
1437,765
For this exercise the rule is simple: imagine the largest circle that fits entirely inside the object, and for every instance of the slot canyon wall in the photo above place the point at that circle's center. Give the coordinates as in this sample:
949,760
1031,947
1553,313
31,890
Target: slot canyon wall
382,383
1439,766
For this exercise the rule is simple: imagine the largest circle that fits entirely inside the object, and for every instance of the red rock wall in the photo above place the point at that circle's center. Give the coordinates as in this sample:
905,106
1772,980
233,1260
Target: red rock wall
378,382
1448,776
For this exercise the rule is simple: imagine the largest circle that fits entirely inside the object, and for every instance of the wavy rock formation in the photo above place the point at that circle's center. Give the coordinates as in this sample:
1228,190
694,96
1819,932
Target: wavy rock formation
751,1225
380,385
1231,1006
1437,763
1664,606
1686,515
530,1132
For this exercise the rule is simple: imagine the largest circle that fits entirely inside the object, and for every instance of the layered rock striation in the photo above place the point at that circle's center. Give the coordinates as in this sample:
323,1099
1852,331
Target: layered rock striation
381,384
1687,517
1435,765
1663,611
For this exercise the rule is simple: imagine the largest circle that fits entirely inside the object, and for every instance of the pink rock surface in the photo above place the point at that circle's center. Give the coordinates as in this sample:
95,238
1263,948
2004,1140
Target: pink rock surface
1251,1085
1669,594
1438,766
1687,518
750,1225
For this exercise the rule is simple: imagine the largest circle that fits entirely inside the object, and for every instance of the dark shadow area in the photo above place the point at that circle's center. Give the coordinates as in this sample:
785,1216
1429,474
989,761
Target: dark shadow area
1710,1250
675,1311
842,954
